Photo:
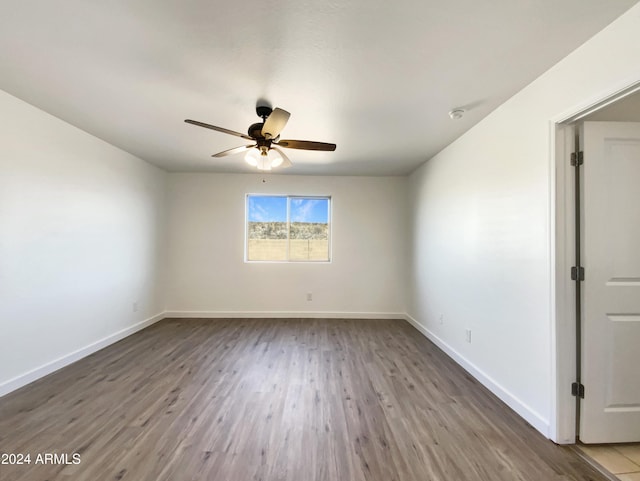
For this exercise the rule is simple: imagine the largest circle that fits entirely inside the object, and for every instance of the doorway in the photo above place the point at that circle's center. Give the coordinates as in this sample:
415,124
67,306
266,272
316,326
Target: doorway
604,303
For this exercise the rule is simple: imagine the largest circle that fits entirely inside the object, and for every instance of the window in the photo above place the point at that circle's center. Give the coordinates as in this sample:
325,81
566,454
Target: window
288,228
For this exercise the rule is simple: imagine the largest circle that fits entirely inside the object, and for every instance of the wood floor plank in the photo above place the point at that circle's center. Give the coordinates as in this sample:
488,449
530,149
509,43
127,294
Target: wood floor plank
271,400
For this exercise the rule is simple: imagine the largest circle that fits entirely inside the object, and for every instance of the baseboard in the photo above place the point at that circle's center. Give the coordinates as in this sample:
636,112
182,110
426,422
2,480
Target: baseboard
524,411
28,377
285,314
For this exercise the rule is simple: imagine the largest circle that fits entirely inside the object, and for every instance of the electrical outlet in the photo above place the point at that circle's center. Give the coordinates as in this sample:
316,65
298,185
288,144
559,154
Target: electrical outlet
441,318
309,296
134,306
468,335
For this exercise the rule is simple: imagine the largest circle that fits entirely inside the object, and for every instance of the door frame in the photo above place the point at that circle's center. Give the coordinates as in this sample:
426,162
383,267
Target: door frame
562,425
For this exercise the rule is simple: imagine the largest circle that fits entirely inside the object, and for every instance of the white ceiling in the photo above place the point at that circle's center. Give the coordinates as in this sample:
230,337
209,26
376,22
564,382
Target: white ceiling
373,76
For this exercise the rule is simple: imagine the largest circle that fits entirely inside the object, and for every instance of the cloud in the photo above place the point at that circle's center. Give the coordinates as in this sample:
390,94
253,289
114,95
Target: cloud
301,209
257,213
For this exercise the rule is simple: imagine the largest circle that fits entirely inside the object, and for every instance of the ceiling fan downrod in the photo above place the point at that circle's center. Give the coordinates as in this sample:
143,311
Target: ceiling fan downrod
263,111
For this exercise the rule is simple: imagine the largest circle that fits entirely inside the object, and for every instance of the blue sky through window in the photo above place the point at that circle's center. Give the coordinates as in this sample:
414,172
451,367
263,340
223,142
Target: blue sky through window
274,209
267,208
309,210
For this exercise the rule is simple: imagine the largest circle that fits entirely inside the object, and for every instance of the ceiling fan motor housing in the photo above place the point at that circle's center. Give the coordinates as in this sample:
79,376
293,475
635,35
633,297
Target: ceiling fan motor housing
255,130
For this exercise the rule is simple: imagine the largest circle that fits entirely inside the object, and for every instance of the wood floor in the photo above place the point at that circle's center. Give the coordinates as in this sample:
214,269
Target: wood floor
255,399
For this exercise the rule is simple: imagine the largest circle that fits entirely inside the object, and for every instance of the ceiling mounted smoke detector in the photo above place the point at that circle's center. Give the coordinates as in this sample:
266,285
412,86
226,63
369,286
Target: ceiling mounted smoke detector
456,114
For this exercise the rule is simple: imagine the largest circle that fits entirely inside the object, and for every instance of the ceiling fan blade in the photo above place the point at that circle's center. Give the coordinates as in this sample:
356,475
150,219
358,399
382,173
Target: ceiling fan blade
275,123
218,129
306,145
286,162
235,150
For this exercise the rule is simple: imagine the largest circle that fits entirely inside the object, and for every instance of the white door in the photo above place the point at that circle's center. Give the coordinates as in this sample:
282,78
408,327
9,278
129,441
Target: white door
610,411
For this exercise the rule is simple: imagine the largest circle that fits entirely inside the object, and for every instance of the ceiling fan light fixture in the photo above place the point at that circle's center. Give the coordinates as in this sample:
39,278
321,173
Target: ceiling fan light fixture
276,158
264,162
263,159
252,157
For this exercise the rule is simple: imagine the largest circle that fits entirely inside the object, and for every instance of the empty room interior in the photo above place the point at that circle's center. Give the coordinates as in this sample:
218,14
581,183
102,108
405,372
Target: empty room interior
307,241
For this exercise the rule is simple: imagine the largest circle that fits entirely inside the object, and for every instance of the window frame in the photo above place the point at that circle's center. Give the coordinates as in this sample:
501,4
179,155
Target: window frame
288,260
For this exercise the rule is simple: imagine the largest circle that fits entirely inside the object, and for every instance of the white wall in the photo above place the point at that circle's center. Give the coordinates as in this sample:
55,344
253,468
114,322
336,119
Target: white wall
80,241
207,273
481,247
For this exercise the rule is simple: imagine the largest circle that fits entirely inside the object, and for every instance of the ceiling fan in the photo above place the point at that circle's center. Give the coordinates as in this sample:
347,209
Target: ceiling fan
265,152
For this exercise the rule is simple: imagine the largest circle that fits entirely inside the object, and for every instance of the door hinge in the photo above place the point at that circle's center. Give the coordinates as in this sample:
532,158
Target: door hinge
577,389
577,157
577,273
